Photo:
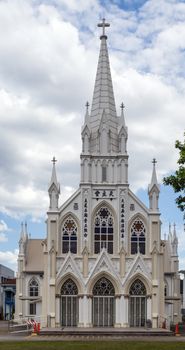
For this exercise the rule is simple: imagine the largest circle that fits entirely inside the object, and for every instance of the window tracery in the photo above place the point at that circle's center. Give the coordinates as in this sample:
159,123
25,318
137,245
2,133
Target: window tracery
137,288
138,237
103,287
69,236
103,231
69,288
33,288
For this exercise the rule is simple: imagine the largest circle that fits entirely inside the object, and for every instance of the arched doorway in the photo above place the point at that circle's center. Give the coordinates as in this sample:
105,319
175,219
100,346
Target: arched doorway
137,304
103,303
69,304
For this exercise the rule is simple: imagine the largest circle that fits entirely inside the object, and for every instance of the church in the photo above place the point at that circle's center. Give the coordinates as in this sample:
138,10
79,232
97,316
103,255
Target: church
103,262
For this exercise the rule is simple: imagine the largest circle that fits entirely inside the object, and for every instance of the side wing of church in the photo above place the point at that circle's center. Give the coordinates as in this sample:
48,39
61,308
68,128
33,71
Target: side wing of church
103,262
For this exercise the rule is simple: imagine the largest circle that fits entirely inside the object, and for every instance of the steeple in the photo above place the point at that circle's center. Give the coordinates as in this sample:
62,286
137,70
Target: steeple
154,189
54,188
104,156
103,96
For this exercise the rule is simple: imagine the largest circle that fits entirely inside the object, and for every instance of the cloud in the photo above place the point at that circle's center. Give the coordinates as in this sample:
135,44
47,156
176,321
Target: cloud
9,259
48,59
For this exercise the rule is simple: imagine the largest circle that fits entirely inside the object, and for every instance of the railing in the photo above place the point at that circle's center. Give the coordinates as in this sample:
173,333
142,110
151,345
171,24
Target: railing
26,324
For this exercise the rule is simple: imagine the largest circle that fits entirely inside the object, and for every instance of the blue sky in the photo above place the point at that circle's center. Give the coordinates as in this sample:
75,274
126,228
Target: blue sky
48,59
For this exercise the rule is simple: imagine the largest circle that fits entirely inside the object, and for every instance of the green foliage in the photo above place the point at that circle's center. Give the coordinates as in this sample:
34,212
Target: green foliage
177,181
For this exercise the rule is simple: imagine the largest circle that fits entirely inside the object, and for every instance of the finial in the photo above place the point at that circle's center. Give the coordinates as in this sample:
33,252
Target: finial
154,161
122,107
103,25
87,106
54,160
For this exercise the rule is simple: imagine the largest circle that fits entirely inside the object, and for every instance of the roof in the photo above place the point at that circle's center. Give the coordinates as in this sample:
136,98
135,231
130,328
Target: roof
9,281
34,256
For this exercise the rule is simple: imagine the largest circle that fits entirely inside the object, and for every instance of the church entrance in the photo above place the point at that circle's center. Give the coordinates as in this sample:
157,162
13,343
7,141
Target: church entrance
137,304
69,304
103,304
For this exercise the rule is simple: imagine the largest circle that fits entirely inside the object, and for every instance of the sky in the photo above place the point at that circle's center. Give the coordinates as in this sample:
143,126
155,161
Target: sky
48,59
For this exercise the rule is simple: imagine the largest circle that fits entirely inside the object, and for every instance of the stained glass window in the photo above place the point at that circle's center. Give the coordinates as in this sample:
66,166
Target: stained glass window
138,237
69,236
103,231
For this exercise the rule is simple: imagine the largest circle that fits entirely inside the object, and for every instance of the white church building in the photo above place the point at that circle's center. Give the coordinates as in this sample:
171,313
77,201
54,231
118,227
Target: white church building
103,262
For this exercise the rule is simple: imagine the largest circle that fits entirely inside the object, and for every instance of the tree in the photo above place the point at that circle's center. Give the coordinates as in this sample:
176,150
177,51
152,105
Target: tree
177,181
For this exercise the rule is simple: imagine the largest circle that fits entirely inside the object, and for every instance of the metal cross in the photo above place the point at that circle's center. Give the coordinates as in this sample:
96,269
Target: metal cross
154,161
87,106
54,160
103,25
122,106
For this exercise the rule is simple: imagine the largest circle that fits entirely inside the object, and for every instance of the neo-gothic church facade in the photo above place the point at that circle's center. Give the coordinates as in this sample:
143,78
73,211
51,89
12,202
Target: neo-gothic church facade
103,262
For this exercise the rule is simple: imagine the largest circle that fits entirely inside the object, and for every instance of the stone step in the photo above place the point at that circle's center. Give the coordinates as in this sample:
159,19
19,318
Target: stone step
105,333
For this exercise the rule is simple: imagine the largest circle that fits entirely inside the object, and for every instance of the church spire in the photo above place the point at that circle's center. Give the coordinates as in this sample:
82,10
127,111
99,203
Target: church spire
54,188
103,96
154,189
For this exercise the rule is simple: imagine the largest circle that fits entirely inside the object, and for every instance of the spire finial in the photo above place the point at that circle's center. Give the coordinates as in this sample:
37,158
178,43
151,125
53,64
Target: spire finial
87,106
154,161
122,107
103,25
54,160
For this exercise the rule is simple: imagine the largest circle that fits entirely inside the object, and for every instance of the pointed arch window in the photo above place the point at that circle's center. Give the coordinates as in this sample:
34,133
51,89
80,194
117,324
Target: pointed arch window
69,236
137,288
138,237
103,231
33,288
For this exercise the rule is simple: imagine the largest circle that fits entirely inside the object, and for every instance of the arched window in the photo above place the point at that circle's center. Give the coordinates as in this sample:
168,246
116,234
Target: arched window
103,231
137,288
33,292
69,304
33,288
69,288
103,305
69,236
103,287
138,237
137,304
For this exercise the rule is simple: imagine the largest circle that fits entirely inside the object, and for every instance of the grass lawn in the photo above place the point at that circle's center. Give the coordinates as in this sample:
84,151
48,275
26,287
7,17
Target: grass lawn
100,345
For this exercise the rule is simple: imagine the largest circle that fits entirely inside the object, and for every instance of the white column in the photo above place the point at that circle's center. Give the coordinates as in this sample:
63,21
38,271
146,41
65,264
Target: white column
89,312
118,310
126,318
149,308
57,310
80,321
85,311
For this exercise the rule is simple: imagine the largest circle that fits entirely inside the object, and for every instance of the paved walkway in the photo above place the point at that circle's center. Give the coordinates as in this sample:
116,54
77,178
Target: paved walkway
47,338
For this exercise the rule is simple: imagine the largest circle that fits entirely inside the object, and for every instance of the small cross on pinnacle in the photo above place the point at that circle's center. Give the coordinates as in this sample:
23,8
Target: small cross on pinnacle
54,160
103,25
122,107
87,106
154,161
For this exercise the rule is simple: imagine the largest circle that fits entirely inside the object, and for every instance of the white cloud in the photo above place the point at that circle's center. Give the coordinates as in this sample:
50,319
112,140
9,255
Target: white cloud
9,259
48,58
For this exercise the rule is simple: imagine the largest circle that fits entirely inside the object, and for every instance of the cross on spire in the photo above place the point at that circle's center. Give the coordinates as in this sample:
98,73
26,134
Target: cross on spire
122,106
103,25
154,161
87,106
54,160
